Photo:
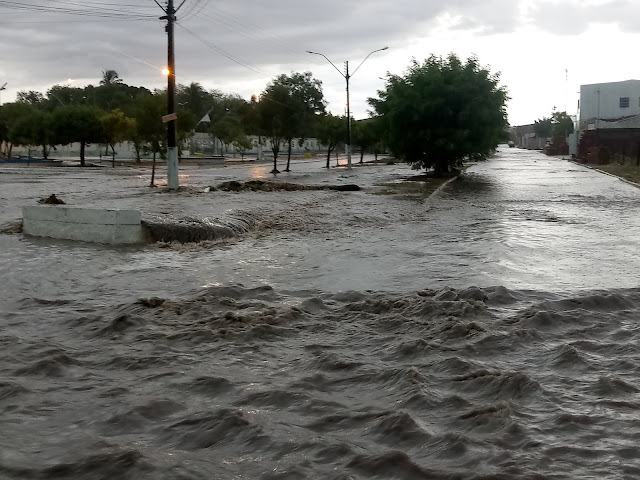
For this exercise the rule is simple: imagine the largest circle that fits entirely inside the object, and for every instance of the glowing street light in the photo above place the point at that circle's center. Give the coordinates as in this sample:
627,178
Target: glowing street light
347,76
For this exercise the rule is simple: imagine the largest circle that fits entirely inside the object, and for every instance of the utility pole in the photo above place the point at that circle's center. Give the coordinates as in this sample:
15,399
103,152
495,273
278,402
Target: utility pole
172,150
347,76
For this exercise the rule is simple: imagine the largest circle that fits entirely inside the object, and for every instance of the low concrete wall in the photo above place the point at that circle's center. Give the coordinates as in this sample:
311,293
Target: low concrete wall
118,227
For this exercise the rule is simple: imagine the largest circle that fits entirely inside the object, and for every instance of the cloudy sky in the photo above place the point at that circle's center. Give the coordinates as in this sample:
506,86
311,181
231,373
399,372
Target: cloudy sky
544,49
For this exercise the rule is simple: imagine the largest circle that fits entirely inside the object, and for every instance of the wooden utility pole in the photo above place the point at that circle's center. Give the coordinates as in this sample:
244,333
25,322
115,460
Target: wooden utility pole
172,149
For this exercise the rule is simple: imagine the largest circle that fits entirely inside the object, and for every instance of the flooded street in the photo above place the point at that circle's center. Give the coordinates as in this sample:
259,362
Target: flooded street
490,331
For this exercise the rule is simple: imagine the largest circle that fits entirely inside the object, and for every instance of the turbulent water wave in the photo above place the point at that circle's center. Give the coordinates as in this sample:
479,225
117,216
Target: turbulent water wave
192,229
236,382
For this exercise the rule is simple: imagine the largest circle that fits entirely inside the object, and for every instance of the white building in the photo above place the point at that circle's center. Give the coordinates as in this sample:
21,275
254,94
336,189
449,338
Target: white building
604,103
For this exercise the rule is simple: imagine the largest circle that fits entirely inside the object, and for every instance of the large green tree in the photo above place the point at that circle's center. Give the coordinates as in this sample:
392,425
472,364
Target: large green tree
77,123
117,128
289,108
441,112
17,125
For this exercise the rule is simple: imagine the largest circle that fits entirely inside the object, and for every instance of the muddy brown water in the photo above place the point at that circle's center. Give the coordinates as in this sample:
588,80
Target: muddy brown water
489,332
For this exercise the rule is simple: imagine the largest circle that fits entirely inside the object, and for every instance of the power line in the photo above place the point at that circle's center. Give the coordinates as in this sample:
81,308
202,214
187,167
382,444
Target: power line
222,52
246,30
83,10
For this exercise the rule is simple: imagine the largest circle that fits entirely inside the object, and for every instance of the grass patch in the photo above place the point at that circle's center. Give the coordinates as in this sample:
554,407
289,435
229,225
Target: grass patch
417,186
628,172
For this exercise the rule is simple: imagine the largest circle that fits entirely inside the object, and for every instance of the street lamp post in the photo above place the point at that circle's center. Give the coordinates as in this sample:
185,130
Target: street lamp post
3,87
347,76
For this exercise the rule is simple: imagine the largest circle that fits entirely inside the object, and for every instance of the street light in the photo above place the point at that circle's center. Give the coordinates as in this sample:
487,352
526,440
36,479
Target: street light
3,87
347,76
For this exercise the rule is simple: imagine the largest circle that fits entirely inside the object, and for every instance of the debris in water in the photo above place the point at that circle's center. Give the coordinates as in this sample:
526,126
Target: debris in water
52,200
265,186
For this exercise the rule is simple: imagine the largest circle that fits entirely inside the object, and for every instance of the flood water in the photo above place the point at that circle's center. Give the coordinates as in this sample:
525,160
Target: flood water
490,331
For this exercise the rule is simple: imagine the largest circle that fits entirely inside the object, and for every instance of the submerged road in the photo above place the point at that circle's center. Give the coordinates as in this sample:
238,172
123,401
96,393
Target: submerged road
521,219
343,356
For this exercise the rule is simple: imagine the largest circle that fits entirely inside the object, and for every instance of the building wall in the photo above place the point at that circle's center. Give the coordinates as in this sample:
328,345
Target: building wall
524,137
602,101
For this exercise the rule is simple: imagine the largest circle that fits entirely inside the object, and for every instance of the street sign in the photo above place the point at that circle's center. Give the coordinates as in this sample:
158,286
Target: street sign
168,118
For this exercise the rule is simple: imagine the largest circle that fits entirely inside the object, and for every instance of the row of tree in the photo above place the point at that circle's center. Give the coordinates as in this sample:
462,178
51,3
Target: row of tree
559,125
436,115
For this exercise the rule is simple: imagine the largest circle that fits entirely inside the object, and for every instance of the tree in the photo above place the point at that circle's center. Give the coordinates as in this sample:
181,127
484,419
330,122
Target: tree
242,144
34,128
442,112
16,125
61,95
543,128
365,134
330,131
558,125
562,124
274,111
149,127
116,128
32,97
289,107
77,123
110,77
195,99
228,128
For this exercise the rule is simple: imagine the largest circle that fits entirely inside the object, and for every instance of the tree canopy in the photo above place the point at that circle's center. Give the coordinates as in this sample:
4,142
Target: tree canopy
77,123
441,112
288,109
560,124
331,131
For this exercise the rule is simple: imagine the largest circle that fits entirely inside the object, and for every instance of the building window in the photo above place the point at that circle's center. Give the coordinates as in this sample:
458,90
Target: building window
624,102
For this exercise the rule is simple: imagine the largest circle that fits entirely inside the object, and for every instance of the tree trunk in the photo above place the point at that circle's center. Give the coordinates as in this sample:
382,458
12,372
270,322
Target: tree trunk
329,155
113,156
45,152
440,168
82,145
289,156
137,147
361,154
153,169
275,160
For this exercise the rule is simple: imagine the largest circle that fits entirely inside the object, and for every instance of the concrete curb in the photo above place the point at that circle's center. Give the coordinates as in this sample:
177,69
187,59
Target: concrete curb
444,185
637,185
114,227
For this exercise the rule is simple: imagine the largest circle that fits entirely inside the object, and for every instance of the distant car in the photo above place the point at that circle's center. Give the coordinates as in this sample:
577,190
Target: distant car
511,143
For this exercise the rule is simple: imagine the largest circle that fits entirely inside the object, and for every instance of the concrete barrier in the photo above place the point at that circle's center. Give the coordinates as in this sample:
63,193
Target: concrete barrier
117,227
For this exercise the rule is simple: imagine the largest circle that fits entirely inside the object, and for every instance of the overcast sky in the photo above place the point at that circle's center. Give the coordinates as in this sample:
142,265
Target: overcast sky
544,49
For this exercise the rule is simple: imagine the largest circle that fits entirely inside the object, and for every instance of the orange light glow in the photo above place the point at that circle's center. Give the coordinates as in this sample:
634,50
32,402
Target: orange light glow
165,72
